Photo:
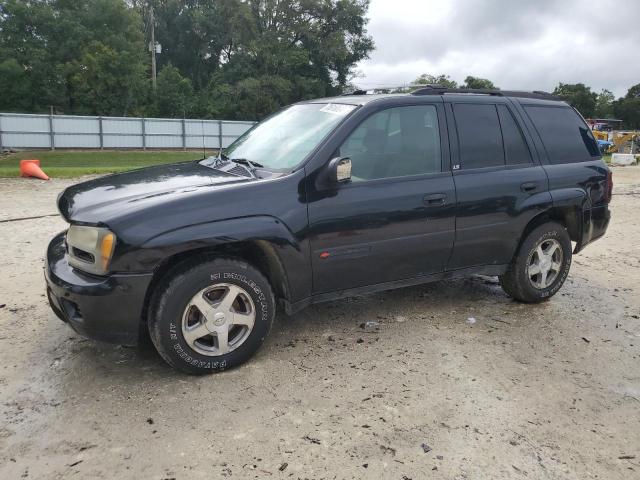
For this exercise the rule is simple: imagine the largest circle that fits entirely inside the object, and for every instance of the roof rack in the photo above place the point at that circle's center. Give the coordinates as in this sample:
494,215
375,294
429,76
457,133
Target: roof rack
364,91
442,90
432,89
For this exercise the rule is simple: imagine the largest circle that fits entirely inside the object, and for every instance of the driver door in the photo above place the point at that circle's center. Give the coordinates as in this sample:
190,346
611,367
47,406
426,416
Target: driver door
396,219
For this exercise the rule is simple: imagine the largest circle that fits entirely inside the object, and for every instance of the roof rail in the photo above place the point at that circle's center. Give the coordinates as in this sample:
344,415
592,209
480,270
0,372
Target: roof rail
442,90
365,91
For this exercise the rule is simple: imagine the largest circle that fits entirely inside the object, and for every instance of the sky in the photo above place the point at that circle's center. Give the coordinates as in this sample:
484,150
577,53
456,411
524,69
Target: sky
518,44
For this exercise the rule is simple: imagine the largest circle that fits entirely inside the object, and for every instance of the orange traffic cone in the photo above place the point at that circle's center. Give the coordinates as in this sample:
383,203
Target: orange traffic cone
31,168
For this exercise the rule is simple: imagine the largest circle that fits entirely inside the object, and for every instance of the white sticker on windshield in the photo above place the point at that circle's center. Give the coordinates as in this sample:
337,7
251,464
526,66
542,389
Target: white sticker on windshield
336,108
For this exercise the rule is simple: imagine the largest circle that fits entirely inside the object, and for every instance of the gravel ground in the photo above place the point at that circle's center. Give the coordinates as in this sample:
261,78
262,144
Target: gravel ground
546,391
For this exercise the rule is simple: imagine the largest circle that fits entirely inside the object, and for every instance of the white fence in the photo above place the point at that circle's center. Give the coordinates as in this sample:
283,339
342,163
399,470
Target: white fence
19,130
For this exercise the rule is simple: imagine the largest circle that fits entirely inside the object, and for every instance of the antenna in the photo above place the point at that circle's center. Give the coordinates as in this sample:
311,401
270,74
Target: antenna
204,148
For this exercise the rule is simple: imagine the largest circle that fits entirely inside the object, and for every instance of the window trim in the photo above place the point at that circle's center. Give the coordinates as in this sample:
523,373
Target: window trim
442,131
458,149
522,136
547,157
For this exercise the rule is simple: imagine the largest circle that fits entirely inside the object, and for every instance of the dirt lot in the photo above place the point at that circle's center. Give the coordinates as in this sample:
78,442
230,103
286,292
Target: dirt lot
549,391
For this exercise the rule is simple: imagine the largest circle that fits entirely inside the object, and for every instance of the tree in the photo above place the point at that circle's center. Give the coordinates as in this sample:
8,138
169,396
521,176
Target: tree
174,94
91,56
604,104
627,108
15,86
442,80
579,96
479,83
82,56
193,34
256,47
633,92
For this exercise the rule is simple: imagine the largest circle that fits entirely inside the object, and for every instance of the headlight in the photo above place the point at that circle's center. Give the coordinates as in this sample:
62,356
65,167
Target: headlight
90,248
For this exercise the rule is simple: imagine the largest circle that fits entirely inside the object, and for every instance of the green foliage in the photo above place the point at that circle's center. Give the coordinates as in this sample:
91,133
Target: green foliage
442,80
174,94
232,58
634,92
628,108
579,96
480,83
15,86
81,56
604,104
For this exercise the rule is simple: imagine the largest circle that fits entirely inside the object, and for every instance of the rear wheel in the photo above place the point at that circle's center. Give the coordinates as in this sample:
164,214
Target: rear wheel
211,316
541,265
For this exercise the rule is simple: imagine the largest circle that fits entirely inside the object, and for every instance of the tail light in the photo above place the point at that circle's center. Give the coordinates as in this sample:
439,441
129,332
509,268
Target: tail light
609,189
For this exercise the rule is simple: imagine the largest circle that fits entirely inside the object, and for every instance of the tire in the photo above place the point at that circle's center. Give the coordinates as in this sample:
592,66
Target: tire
546,247
198,302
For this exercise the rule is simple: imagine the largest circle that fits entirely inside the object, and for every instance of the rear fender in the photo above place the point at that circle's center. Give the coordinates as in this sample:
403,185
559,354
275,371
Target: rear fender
575,205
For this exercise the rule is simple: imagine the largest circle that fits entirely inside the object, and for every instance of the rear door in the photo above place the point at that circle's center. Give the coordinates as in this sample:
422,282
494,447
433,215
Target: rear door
573,162
500,185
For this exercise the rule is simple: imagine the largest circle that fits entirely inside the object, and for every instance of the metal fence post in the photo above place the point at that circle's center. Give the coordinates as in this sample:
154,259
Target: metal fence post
219,135
52,135
184,135
1,147
101,133
144,135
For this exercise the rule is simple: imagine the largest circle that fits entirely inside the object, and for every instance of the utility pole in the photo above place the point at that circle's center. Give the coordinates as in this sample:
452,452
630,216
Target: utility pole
152,47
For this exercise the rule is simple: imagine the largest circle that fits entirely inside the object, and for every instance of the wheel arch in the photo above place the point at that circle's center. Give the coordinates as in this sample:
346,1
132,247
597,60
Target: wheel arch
569,216
258,253
263,242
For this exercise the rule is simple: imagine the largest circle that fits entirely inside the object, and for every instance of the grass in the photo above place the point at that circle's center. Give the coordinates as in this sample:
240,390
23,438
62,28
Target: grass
69,164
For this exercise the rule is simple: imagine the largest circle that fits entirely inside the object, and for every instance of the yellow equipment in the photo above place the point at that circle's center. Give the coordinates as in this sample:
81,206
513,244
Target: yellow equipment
599,135
623,141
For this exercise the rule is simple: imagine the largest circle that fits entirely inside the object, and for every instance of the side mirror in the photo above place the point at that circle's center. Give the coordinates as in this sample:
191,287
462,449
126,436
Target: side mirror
340,170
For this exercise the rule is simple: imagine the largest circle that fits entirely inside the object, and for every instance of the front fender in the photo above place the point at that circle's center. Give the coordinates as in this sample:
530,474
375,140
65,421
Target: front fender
292,254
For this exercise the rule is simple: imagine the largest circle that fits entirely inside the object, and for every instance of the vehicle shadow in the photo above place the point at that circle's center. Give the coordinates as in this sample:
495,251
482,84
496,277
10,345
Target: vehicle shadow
448,303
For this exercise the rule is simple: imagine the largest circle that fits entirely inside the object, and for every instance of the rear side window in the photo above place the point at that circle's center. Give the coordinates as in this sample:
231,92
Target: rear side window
479,135
515,147
565,136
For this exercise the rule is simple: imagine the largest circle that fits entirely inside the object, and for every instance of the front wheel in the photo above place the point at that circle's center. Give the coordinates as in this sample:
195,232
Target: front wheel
541,265
211,316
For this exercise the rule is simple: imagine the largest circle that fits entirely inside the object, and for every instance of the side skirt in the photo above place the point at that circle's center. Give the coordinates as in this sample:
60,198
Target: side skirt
491,270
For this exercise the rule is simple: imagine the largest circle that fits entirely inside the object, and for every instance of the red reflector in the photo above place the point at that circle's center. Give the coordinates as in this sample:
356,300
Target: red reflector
324,255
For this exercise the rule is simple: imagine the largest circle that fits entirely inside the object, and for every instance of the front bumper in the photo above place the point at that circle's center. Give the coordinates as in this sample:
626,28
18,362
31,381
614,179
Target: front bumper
103,308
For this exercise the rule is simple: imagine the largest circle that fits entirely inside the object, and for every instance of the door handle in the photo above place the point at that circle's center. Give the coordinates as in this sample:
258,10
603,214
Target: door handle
435,199
528,186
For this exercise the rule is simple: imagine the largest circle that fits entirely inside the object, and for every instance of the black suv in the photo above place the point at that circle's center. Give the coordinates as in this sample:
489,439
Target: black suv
327,199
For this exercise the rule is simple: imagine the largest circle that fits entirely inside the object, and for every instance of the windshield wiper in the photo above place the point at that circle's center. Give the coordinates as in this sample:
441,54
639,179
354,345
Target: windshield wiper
244,161
224,163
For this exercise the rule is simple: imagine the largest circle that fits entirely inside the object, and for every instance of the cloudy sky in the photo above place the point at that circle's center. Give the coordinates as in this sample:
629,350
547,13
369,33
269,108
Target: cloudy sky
519,45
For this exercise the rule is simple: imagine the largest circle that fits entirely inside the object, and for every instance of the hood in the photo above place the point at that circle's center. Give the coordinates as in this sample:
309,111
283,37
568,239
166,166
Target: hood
96,201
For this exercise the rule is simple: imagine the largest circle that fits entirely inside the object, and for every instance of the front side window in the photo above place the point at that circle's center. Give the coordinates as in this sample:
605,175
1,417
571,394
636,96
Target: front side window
566,138
396,142
285,139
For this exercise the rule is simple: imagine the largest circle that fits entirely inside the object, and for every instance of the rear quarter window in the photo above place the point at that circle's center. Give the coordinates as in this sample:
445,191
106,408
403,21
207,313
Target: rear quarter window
566,138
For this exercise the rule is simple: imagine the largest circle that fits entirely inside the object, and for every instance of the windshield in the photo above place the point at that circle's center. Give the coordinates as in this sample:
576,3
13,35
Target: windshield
285,139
